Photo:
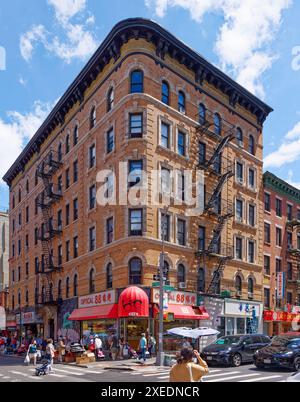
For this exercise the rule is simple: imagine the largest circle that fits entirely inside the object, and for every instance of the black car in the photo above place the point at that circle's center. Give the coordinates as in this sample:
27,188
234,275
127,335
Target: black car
235,350
283,352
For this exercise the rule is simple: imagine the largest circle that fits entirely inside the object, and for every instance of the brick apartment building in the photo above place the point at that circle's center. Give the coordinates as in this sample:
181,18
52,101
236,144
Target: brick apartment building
149,101
281,254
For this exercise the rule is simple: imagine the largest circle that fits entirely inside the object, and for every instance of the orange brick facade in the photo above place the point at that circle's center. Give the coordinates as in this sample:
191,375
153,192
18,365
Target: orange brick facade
139,54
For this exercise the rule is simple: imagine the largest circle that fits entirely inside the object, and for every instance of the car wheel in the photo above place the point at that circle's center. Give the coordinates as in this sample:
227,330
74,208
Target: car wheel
297,364
237,360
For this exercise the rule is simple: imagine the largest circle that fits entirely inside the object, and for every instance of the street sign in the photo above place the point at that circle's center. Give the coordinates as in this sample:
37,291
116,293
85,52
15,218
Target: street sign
167,288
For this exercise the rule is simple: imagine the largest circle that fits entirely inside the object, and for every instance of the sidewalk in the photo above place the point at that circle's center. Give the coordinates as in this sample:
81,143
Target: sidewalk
126,365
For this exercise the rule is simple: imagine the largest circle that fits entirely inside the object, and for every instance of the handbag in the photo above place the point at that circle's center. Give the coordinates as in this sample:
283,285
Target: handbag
27,359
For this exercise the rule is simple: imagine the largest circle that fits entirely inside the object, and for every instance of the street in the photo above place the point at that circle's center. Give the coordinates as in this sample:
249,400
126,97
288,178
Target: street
13,370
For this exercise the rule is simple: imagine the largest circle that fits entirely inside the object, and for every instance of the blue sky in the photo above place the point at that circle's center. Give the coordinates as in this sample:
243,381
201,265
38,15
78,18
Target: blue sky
47,42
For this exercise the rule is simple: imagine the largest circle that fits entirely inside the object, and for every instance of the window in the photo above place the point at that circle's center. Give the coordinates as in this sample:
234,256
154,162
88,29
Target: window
278,265
137,82
92,239
278,237
36,205
27,186
239,248
75,135
13,198
135,271
20,195
92,196
20,219
240,172
92,156
67,288
201,280
278,207
267,265
251,252
251,178
239,210
267,202
166,181
201,238
290,271
298,214
181,232
75,286
59,220
110,186
165,227
202,153
290,212
135,172
110,99
109,230
75,171
19,274
110,141
136,222
252,214
165,135
59,184
218,164
238,284
36,265
181,186
67,178
298,242
181,277
75,247
60,152
181,102
136,125
67,214
93,118
109,276
27,269
67,144
239,137
75,209
202,114
68,250
217,124
289,240
165,93
59,290
289,299
19,299
181,143
36,236
267,297
267,233
251,145
27,297
92,281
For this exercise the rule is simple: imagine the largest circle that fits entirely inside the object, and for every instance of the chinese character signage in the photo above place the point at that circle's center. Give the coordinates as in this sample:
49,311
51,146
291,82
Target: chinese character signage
179,298
280,285
98,299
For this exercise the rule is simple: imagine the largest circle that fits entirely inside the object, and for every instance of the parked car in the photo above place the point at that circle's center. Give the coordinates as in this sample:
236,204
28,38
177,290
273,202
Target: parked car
283,352
235,350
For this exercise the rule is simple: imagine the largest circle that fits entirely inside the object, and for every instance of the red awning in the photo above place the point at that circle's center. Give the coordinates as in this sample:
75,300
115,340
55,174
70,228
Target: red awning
94,313
133,302
11,324
187,312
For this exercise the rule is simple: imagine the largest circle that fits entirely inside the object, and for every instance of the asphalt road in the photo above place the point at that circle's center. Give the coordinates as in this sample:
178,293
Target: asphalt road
13,370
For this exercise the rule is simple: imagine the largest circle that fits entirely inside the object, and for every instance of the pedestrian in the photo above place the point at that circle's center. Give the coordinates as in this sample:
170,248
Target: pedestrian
114,346
61,349
186,370
143,347
151,345
32,352
122,344
50,353
98,346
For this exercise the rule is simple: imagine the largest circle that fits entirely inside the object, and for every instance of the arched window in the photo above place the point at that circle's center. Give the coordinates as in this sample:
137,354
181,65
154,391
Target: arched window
110,99
68,288
109,276
137,82
92,281
75,286
201,280
166,269
75,135
165,93
239,137
93,118
59,290
20,195
181,102
251,145
250,287
238,284
67,144
202,114
59,152
218,124
13,302
181,277
217,283
135,271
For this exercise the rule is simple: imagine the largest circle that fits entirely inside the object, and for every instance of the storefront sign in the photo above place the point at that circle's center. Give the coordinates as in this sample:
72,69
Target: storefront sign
280,285
98,299
279,316
243,309
180,298
2,318
28,318
133,302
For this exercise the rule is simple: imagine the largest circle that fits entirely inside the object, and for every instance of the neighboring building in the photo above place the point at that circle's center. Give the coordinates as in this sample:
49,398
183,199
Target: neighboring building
147,100
4,250
281,254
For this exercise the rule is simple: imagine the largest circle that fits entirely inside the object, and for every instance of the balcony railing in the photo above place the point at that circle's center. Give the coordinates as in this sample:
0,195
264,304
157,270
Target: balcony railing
220,207
48,265
206,125
50,230
222,251
49,196
51,163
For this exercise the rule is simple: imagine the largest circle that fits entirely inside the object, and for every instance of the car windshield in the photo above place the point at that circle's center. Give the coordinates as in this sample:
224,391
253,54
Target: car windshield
281,341
229,340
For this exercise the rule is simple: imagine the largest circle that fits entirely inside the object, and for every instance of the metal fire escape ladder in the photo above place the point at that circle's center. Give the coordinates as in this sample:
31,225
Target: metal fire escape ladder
223,144
217,192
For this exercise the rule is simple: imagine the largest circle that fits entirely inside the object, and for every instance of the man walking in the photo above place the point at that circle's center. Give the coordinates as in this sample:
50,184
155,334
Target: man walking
98,346
143,347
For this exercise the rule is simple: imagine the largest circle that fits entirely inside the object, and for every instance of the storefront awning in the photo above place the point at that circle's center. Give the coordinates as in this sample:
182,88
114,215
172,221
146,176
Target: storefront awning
95,313
187,312
11,324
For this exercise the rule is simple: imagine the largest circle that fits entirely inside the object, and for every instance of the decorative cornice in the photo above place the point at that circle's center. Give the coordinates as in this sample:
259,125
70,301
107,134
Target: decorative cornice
165,43
281,187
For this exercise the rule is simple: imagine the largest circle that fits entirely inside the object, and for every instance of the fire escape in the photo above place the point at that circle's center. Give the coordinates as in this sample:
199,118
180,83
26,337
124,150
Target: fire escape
218,170
48,264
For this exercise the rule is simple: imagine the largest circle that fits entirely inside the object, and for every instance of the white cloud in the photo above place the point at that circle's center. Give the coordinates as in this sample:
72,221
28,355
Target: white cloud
17,130
22,81
288,151
80,42
291,181
244,39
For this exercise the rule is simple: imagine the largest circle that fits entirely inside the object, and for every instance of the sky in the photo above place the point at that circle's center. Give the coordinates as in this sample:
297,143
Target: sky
44,44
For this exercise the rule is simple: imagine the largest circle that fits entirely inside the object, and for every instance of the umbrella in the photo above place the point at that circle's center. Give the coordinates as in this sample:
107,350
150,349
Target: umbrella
193,333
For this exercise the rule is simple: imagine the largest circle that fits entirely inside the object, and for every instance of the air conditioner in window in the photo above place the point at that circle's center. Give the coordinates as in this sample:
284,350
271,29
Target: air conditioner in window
250,296
238,293
182,285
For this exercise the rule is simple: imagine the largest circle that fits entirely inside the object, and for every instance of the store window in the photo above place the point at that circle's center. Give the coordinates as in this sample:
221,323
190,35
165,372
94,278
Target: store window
109,276
135,271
